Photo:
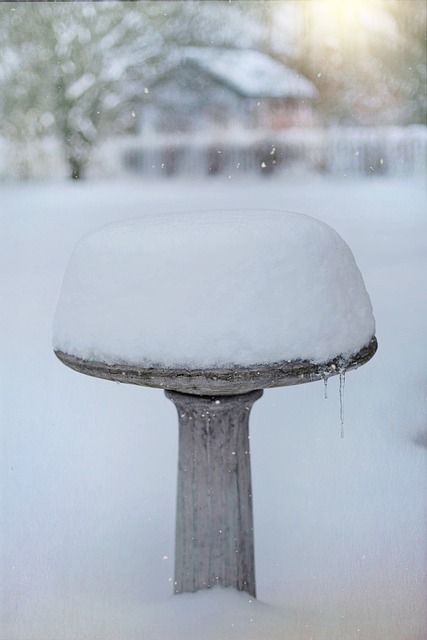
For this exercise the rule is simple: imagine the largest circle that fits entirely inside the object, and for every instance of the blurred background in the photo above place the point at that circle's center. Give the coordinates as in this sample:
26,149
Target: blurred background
212,87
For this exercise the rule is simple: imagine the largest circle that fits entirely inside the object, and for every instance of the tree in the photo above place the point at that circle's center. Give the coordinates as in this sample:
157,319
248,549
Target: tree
366,58
404,57
73,69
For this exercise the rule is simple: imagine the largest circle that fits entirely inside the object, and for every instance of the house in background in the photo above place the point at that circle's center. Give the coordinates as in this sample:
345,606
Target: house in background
210,89
216,108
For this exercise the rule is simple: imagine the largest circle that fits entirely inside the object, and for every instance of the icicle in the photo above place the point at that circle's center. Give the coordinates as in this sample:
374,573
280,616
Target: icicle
342,385
325,385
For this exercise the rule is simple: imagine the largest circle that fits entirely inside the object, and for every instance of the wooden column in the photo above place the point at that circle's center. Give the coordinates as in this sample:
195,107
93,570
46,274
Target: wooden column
214,521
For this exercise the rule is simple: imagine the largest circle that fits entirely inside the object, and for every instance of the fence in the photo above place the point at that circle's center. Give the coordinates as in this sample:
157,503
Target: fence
351,151
390,151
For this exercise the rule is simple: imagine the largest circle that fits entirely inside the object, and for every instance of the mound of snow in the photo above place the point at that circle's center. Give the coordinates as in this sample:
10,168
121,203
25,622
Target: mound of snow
216,613
215,288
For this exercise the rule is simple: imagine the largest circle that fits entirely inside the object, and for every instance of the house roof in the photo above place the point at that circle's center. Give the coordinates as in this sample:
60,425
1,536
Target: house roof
250,73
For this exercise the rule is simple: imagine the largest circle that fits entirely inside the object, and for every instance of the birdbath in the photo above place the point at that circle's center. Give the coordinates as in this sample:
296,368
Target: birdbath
213,307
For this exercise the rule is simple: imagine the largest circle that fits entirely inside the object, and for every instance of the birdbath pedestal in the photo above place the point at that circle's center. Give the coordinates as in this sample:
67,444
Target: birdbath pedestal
214,541
214,307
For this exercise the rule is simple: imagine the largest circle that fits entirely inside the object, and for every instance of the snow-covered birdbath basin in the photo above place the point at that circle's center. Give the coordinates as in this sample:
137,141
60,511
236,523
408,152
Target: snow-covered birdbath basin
213,307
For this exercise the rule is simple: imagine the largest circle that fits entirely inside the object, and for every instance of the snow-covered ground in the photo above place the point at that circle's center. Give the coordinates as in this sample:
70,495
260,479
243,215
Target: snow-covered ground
88,467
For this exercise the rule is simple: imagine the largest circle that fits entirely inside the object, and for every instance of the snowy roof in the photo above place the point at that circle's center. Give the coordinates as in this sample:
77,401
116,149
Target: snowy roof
250,73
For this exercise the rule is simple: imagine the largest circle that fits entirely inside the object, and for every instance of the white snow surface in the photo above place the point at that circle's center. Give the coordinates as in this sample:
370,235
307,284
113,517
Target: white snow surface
88,467
219,288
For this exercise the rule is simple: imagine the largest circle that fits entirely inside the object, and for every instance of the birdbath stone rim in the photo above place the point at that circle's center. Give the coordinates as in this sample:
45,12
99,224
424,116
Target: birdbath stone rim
220,381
